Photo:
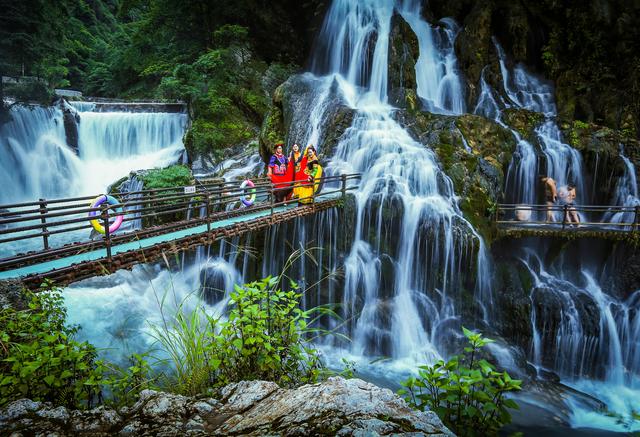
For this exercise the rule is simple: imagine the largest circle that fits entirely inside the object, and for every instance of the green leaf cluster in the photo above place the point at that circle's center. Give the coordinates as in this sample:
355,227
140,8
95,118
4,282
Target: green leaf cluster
265,336
41,360
172,176
466,392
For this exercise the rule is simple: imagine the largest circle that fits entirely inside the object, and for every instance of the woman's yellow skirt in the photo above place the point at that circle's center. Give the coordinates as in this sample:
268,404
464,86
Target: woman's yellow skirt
304,193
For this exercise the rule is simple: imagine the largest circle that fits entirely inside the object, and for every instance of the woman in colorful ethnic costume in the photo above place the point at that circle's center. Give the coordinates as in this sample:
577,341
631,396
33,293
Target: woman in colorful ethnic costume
311,176
280,177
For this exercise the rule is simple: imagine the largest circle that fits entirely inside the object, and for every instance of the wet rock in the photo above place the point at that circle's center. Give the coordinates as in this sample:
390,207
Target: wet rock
403,54
336,406
12,294
474,152
70,118
288,121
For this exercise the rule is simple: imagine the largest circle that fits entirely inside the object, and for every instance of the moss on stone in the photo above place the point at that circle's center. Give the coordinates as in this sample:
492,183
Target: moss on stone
523,121
173,176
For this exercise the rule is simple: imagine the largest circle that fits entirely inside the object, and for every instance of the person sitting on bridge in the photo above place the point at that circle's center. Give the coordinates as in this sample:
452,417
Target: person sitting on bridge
277,171
550,195
568,197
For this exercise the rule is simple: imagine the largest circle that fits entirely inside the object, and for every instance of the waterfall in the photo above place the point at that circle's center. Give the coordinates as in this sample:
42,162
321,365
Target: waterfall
438,80
626,194
561,162
38,163
402,186
577,330
35,161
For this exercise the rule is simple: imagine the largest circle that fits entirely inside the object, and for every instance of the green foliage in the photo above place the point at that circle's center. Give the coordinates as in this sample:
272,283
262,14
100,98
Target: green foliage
465,391
172,176
41,360
126,384
266,336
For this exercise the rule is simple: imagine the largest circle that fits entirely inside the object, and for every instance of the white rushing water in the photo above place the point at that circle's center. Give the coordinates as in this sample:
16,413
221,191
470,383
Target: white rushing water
37,162
563,333
401,183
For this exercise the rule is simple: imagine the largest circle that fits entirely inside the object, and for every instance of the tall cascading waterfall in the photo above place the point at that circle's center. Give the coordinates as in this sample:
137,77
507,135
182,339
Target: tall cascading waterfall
38,163
597,356
407,221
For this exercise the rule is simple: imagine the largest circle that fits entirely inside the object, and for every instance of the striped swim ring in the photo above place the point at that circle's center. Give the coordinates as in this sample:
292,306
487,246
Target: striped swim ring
97,224
248,199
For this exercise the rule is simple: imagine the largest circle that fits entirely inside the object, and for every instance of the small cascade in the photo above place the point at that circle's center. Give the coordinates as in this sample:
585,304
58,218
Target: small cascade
626,194
562,162
437,76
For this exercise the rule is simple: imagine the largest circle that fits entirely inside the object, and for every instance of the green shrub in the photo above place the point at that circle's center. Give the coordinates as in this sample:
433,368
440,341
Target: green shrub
173,176
266,336
465,392
41,360
125,384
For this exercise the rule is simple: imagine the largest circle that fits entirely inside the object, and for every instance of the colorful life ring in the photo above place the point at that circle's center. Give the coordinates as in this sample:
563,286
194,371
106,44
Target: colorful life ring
97,225
248,199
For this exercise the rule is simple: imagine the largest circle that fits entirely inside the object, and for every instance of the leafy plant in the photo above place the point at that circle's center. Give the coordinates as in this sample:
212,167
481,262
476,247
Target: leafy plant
466,392
265,336
41,360
125,384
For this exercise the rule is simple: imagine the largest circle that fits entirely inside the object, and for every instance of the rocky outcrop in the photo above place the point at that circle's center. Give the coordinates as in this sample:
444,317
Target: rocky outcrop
474,152
403,55
334,407
12,294
288,119
70,118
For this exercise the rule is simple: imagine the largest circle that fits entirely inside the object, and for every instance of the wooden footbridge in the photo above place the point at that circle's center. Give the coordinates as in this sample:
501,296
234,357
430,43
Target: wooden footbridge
55,239
568,221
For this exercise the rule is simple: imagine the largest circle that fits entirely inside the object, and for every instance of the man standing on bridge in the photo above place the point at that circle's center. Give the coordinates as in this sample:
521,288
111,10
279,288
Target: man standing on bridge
550,195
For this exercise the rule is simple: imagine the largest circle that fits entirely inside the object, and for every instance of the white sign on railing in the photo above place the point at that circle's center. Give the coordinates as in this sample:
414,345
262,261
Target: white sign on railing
190,190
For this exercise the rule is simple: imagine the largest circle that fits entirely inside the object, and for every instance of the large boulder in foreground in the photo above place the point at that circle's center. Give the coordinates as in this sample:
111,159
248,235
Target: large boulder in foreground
333,407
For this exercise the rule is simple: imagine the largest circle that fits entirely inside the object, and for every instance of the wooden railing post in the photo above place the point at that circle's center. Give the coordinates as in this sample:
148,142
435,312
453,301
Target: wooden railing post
344,186
272,198
565,214
207,203
43,220
107,234
636,218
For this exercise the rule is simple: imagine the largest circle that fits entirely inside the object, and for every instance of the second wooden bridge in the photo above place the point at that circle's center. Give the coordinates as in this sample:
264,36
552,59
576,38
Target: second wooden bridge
595,221
160,221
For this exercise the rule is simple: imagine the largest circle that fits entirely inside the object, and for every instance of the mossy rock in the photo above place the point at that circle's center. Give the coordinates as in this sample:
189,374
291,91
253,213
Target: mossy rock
478,172
523,121
272,132
403,55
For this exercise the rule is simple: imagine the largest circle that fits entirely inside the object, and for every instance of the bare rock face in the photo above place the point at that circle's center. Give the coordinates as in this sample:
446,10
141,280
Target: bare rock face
333,407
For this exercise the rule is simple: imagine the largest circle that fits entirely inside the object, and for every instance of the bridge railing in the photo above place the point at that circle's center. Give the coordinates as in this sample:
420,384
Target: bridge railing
31,232
594,216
